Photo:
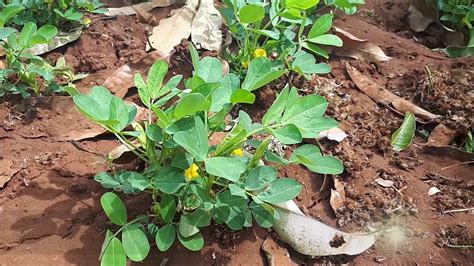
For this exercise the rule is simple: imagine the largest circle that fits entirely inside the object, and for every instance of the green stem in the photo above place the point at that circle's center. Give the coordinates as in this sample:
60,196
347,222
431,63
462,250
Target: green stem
131,147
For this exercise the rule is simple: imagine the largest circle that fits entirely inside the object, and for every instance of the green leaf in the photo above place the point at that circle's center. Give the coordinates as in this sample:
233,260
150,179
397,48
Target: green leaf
210,70
154,132
193,243
114,208
304,109
228,199
136,181
225,167
260,74
142,89
468,146
301,4
315,49
281,190
169,180
311,157
182,160
191,104
27,33
155,78
8,12
322,25
288,134
135,243
108,237
305,63
458,52
236,190
327,39
305,153
264,214
273,115
259,153
242,96
106,180
260,176
194,140
236,218
47,31
168,207
165,237
185,228
5,32
114,254
194,57
403,137
200,218
251,13
326,165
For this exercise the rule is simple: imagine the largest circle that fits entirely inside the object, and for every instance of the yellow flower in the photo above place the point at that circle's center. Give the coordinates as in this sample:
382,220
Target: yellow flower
191,173
87,21
259,53
245,64
238,152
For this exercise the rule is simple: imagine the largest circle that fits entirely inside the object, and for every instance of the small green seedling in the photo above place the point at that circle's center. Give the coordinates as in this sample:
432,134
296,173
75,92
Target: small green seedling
192,183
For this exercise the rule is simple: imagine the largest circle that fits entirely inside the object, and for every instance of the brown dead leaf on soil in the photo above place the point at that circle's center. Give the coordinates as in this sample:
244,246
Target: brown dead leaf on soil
421,15
172,30
357,48
275,253
441,136
122,79
338,195
383,96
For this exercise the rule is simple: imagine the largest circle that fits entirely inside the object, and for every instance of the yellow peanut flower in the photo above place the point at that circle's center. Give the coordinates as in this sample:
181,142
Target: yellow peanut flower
191,173
238,152
259,53
87,21
245,64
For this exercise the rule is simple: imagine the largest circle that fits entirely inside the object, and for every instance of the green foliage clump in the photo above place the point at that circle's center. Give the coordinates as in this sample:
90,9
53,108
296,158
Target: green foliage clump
289,32
190,181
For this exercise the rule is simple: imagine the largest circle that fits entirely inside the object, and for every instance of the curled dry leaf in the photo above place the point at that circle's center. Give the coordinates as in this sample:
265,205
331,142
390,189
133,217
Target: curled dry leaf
357,48
118,151
311,237
122,79
433,191
386,97
338,195
421,15
276,254
172,30
206,27
384,182
336,134
442,136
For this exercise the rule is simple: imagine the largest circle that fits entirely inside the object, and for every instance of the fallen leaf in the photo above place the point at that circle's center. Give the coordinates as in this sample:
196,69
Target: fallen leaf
433,190
314,238
172,30
276,254
140,8
421,15
206,27
118,151
7,170
384,182
59,40
459,51
357,48
441,136
338,195
383,96
122,79
333,134
403,136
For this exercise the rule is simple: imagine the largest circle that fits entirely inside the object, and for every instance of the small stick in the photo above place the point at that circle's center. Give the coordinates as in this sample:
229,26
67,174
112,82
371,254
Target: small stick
447,167
458,210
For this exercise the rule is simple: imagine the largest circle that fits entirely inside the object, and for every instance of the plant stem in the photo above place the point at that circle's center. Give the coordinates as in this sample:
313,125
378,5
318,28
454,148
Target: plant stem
131,147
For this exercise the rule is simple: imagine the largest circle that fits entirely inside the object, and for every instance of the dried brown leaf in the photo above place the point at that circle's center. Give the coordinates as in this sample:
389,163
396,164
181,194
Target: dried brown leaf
357,48
338,195
386,97
421,15
442,136
206,27
122,79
